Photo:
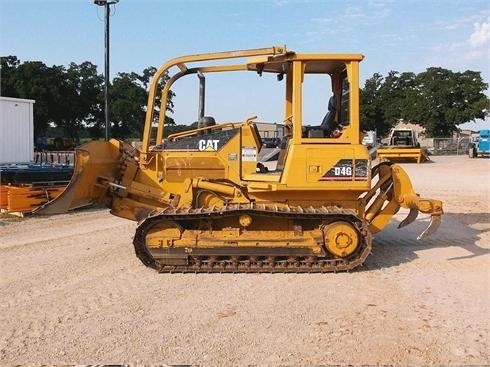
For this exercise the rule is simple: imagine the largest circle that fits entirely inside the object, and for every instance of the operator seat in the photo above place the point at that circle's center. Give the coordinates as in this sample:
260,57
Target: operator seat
206,121
328,124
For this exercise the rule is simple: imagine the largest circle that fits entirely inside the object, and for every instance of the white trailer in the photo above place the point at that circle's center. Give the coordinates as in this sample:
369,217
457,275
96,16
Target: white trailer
16,130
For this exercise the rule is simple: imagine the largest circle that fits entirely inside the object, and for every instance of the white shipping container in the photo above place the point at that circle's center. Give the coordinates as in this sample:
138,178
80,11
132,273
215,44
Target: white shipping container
16,130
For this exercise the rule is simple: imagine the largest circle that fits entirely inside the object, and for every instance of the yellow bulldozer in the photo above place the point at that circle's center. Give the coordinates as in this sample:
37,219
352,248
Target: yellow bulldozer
204,202
403,147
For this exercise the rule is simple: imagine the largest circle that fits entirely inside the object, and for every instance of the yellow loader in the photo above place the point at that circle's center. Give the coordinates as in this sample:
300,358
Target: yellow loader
203,201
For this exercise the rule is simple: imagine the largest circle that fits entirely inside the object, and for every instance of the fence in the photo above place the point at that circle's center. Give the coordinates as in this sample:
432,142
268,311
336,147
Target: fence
55,158
450,146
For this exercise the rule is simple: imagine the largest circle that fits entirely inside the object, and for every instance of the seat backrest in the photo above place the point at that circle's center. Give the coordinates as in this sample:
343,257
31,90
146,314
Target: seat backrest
282,153
328,121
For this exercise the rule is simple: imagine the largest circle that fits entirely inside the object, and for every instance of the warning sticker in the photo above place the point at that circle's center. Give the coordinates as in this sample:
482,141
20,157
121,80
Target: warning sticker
249,154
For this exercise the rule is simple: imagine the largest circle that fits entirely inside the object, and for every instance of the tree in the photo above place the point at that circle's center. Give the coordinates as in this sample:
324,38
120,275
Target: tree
446,99
145,79
71,99
8,68
35,80
129,95
372,117
384,101
81,105
437,99
128,101
396,95
173,129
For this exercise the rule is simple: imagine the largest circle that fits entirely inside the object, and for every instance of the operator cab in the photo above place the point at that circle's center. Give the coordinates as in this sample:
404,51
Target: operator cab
318,106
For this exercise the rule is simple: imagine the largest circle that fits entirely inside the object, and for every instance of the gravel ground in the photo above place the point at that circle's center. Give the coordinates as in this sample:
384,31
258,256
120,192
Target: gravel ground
73,292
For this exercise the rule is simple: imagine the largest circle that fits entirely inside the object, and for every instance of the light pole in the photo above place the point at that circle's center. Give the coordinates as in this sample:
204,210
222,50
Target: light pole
106,4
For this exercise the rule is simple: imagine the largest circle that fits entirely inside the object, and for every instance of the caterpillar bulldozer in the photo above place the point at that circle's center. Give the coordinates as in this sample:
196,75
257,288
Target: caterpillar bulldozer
204,203
403,147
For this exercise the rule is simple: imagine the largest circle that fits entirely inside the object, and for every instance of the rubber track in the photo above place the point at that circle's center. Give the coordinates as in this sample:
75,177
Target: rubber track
300,264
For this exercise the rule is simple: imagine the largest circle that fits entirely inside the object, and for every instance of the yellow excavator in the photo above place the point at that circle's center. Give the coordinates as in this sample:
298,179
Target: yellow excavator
205,203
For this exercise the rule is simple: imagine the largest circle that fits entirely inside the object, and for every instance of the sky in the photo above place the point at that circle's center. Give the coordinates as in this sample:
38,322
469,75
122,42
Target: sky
405,35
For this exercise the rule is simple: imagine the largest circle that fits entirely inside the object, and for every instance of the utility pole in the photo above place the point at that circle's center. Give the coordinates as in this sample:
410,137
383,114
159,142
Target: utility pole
106,4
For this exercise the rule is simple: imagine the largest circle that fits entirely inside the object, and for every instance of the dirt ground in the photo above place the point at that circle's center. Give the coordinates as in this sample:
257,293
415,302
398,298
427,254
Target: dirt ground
73,292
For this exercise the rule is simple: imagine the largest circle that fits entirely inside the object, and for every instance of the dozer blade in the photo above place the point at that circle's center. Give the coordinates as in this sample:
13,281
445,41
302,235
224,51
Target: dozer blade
394,191
93,160
403,155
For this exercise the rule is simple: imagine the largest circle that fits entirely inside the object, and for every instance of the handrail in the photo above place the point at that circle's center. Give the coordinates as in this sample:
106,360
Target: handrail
180,62
193,132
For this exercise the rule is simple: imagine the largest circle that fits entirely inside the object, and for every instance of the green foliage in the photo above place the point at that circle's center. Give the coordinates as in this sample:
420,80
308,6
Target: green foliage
33,80
82,102
72,99
437,99
128,96
447,99
9,65
173,129
372,117
128,99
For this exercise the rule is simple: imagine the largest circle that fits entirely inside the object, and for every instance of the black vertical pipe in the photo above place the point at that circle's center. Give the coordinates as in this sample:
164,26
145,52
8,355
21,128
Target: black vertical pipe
202,95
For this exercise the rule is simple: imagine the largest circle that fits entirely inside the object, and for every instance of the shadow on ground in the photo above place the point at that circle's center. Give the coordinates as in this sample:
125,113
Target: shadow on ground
393,246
